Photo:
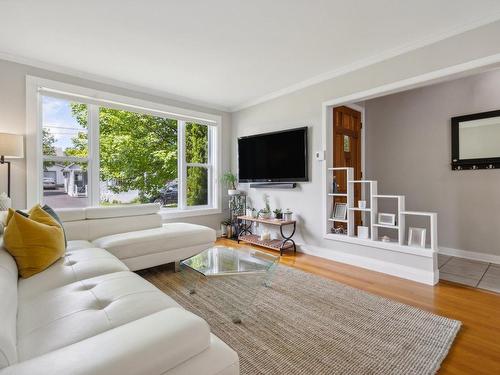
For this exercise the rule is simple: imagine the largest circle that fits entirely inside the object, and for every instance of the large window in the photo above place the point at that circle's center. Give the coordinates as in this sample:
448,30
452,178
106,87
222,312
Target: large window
65,173
137,158
95,152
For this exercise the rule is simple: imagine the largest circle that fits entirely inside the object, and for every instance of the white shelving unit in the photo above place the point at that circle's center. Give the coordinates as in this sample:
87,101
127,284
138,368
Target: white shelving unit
400,224
432,224
349,195
373,199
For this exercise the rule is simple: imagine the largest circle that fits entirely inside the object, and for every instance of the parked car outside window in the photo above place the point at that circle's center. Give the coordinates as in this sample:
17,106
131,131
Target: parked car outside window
49,183
167,194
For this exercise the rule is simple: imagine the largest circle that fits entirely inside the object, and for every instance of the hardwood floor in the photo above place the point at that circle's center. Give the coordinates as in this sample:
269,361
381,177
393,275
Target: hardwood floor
476,349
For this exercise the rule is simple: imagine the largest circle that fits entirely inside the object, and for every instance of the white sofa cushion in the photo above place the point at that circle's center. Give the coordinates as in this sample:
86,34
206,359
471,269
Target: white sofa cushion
70,214
8,308
76,265
78,245
95,228
121,211
218,359
151,345
105,227
71,313
170,236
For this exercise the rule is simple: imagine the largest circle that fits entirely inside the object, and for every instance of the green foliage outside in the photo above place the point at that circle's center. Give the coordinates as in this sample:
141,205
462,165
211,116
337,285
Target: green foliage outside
48,147
48,143
196,152
139,152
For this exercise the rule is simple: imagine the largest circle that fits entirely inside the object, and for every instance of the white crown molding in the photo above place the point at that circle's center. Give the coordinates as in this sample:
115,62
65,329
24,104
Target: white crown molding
108,81
385,55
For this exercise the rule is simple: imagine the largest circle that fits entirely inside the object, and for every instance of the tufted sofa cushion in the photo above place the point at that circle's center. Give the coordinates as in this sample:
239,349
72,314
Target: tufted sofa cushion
74,312
78,264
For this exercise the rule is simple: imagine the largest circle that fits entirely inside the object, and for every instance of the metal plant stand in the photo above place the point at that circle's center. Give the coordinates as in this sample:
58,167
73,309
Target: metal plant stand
237,207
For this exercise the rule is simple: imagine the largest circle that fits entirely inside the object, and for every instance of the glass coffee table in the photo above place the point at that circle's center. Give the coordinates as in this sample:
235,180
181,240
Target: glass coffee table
252,268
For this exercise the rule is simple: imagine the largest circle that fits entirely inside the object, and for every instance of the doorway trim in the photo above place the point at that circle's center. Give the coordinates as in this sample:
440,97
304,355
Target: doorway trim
426,79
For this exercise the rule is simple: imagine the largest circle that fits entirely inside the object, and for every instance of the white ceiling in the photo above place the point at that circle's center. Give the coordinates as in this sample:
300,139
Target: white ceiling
225,53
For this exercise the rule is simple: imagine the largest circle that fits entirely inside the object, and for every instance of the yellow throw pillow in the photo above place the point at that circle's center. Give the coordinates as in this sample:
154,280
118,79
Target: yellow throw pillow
35,242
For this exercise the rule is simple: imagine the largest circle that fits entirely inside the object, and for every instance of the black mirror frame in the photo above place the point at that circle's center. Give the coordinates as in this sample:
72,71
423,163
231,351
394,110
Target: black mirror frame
461,164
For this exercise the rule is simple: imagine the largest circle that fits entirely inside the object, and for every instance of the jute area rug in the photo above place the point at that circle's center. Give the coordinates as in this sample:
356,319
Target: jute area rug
305,324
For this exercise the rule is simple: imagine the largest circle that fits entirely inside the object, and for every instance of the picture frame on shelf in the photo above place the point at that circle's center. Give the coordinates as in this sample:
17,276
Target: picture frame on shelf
339,211
363,232
416,237
386,219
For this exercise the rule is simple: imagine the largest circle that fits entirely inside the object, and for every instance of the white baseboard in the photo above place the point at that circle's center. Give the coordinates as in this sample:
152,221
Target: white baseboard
482,257
405,272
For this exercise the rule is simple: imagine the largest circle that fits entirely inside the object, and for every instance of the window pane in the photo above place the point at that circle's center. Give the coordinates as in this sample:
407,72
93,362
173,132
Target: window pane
138,158
65,184
64,128
196,143
197,186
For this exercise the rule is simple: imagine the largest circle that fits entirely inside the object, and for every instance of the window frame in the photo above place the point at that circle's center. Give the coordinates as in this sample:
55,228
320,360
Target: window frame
38,87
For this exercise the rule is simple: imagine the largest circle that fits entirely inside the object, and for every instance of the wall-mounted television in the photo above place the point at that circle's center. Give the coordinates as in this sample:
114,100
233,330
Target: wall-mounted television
274,157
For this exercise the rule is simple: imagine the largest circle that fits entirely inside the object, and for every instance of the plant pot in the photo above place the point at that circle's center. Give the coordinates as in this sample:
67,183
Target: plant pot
223,230
265,215
232,192
229,231
250,213
288,216
278,216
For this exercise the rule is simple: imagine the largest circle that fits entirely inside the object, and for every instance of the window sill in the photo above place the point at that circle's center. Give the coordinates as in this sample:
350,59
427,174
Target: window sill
169,214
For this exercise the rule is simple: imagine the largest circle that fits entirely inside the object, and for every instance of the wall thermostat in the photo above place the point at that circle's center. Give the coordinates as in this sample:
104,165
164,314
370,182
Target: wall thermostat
320,155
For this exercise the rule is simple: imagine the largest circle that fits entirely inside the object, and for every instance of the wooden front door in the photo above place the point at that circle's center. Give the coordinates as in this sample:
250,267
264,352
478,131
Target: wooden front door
347,149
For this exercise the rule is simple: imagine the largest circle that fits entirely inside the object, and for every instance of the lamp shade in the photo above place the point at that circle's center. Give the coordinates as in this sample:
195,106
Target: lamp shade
11,146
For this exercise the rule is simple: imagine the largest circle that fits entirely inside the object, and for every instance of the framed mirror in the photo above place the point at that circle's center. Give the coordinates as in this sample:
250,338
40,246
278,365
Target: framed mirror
475,141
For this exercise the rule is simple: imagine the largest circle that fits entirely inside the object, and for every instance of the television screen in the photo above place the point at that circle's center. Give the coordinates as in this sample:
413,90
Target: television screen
273,157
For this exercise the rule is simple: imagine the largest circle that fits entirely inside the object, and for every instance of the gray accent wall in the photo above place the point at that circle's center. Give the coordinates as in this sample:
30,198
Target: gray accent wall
408,150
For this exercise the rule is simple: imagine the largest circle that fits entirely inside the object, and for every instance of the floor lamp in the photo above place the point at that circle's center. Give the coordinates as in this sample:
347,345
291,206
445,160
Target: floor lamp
11,147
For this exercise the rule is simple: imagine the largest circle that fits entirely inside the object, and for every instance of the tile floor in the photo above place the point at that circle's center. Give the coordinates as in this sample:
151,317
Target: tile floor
470,272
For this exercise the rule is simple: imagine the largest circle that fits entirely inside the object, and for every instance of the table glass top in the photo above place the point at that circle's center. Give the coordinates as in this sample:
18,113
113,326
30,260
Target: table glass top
221,260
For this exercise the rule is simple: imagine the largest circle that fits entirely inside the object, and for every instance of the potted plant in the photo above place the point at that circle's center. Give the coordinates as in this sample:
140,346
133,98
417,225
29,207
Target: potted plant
228,228
288,215
251,211
223,227
265,213
278,213
230,180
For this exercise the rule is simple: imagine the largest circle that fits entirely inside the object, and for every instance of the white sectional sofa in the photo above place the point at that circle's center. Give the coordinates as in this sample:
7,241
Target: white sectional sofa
89,314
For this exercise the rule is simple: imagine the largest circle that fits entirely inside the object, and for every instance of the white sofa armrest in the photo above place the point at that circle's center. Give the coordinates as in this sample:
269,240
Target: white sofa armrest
150,345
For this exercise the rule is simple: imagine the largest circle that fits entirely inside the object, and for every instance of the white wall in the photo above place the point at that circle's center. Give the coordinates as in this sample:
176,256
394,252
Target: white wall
303,108
13,120
408,150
